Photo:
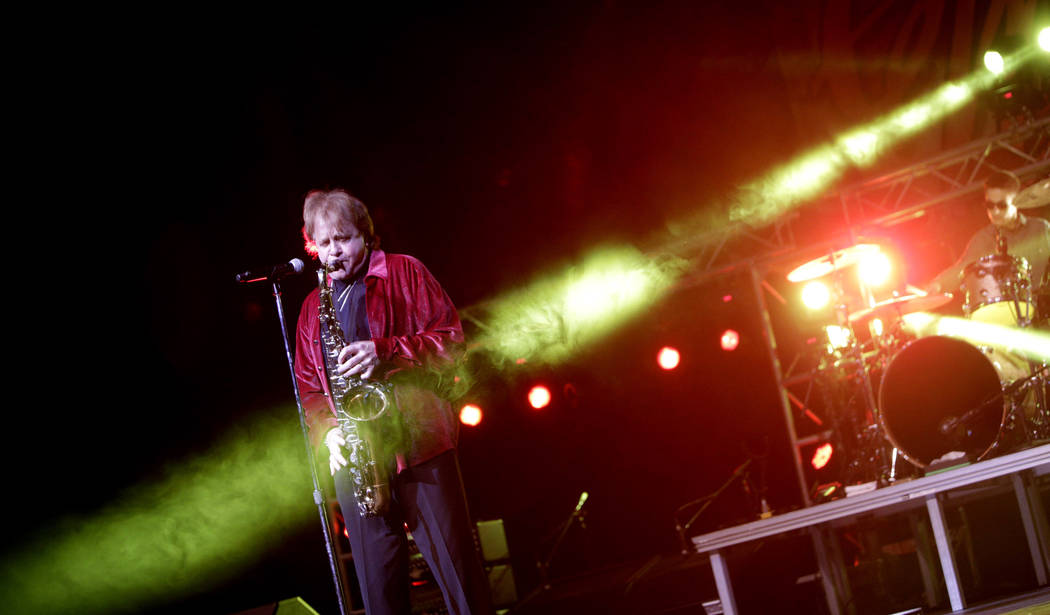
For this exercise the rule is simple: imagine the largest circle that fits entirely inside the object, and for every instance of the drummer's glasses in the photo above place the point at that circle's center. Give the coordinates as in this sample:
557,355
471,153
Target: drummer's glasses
995,204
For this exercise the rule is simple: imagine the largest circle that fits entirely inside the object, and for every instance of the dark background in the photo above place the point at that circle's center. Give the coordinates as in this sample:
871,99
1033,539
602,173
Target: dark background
495,144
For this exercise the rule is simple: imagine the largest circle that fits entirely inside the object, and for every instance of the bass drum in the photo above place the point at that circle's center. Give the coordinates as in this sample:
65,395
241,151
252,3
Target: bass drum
940,395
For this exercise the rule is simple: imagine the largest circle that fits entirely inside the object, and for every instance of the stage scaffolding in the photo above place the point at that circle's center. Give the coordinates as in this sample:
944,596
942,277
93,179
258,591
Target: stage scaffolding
858,209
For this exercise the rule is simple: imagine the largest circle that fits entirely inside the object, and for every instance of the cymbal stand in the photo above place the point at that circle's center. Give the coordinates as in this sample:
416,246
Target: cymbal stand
861,375
1036,380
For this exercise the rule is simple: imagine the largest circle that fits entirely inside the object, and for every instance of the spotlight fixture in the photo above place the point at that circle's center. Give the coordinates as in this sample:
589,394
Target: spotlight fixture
822,456
816,295
730,340
668,358
994,62
539,397
874,269
470,414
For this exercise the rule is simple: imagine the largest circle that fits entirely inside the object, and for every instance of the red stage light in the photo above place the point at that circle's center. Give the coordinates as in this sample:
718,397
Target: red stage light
730,340
470,414
539,396
668,358
821,456
727,298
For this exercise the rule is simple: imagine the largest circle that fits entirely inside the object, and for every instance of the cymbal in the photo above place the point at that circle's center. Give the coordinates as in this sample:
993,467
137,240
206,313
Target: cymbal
905,304
1036,195
840,259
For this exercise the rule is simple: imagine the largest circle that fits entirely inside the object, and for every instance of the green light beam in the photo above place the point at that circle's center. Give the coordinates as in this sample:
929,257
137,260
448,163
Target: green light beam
1030,343
553,317
201,524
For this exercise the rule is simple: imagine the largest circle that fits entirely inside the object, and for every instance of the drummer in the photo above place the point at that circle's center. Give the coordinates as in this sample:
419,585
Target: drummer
1022,235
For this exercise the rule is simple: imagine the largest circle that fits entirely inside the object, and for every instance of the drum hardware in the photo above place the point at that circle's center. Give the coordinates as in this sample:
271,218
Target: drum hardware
998,290
955,426
845,380
893,465
846,370
1015,423
1036,428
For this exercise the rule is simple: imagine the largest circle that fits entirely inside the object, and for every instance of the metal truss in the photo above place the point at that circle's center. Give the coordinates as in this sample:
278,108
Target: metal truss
909,192
883,201
887,200
737,243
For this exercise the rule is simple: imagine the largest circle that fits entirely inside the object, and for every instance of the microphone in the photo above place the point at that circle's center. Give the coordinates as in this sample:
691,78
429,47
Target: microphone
579,505
276,272
740,468
681,537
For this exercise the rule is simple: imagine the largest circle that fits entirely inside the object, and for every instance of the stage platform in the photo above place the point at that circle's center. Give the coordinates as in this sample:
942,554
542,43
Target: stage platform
923,502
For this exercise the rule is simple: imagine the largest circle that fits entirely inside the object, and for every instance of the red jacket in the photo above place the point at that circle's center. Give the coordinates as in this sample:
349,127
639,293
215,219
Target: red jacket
416,330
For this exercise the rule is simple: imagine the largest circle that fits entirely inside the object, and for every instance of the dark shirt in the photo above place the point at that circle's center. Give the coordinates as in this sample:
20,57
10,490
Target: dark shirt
349,298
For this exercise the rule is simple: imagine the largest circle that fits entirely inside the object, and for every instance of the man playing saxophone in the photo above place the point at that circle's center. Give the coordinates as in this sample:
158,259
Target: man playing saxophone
400,328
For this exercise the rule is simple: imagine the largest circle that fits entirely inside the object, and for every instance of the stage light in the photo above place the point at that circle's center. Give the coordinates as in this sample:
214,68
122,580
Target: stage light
470,414
730,340
1044,39
874,269
539,397
994,62
822,456
838,337
668,358
816,295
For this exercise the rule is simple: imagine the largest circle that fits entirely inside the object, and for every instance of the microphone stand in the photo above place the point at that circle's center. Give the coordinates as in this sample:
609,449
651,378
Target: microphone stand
319,499
544,566
707,500
950,427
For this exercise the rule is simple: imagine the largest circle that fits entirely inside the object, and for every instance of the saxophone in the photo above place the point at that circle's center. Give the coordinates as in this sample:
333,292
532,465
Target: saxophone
357,402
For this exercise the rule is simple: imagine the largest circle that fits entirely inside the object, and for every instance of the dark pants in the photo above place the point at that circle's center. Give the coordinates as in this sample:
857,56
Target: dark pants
430,500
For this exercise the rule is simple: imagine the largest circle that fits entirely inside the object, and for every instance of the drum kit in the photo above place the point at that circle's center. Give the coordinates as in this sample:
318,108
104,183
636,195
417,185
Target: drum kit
894,392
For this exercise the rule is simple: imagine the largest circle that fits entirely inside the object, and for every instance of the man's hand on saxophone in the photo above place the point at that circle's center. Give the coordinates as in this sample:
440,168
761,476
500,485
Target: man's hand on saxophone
335,442
358,359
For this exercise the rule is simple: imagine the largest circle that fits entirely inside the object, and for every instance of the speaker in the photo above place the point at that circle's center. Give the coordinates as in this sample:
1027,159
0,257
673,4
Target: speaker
501,581
493,541
496,556
291,606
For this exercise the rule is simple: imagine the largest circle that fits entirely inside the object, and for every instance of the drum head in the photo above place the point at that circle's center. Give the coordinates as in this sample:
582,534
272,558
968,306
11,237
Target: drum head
940,395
